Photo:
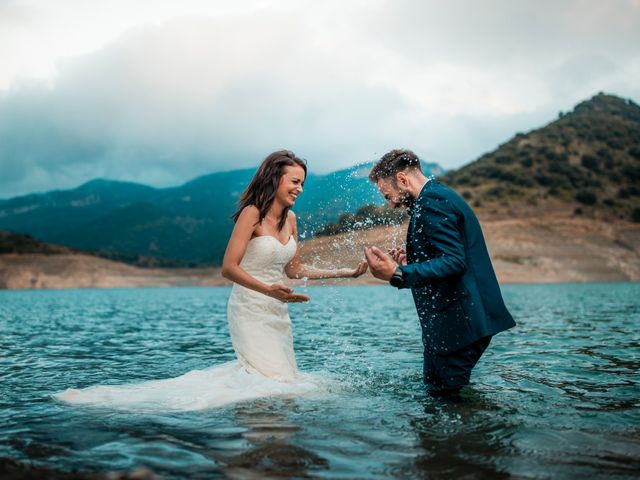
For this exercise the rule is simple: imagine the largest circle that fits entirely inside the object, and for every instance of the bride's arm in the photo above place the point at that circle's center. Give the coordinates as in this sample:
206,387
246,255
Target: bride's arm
296,269
231,269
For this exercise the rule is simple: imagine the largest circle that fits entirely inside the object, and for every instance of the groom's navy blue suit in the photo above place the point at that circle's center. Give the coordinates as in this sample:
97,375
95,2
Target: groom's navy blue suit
453,284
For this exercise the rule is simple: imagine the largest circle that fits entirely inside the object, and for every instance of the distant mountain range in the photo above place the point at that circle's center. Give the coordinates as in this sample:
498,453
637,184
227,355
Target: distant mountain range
585,163
187,225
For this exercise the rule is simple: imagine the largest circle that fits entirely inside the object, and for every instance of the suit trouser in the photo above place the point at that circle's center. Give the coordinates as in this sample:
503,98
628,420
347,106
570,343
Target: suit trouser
451,371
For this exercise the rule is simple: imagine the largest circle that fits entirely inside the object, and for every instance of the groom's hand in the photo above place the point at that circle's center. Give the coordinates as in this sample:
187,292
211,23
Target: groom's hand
285,294
399,255
382,265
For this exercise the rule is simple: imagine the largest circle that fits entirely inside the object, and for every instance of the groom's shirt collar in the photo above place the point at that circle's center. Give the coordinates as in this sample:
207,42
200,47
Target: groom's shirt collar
430,179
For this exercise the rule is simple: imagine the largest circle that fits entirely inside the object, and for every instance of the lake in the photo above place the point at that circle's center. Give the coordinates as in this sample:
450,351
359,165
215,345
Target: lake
556,397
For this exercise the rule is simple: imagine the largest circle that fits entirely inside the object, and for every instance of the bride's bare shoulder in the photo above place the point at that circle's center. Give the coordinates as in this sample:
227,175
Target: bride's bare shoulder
250,212
291,220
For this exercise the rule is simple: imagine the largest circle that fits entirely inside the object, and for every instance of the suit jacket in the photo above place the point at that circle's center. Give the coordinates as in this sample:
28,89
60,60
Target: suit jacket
450,273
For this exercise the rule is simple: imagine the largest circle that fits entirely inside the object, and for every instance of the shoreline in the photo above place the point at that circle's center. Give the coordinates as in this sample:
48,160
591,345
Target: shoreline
220,286
365,283
544,249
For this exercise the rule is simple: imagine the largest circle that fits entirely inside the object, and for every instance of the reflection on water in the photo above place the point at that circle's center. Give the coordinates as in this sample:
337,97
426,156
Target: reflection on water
555,397
272,453
462,437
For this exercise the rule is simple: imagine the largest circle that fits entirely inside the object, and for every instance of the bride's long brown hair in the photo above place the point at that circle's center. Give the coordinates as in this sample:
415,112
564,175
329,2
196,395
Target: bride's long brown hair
262,189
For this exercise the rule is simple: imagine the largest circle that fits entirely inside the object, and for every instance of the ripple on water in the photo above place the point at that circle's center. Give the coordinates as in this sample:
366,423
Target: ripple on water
556,397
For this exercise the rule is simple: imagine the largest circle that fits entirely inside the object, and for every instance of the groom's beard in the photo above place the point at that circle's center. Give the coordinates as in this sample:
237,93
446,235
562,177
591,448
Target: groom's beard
406,200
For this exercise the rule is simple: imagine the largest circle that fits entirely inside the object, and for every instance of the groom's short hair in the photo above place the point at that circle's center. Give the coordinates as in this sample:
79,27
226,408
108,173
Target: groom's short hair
397,160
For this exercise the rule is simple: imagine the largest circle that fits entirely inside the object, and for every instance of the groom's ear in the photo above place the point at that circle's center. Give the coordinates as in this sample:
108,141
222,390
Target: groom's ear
401,179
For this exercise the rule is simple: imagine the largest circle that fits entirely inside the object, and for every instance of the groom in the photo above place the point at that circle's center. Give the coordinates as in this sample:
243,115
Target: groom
447,267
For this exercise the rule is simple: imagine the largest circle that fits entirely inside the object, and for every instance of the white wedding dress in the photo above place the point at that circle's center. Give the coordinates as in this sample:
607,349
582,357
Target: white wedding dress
261,335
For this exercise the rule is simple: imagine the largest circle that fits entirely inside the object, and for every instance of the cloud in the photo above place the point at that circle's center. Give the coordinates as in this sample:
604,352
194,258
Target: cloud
337,83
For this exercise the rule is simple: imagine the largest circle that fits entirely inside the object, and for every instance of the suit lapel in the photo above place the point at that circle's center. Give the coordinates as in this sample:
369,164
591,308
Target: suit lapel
409,242
415,214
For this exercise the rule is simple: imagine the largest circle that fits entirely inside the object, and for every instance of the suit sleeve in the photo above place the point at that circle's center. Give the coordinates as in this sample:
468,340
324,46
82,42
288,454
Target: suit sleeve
439,220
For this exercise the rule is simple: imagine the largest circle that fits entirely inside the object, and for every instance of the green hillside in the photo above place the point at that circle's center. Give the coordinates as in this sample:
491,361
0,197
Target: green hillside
588,158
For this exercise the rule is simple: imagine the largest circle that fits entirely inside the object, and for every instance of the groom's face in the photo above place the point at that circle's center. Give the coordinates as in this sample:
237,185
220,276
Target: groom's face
394,193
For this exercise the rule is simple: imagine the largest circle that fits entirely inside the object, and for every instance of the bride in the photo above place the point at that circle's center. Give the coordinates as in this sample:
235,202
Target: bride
262,248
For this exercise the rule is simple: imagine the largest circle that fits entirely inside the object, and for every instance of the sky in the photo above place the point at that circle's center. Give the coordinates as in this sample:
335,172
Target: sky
160,92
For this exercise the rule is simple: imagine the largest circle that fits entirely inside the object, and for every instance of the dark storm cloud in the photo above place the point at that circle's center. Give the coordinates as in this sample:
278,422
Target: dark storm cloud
165,103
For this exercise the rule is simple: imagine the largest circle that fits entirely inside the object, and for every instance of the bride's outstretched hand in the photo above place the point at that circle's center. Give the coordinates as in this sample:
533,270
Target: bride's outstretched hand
359,270
285,294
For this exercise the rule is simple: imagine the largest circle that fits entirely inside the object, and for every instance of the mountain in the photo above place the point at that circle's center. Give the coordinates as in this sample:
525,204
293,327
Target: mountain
560,203
187,225
587,162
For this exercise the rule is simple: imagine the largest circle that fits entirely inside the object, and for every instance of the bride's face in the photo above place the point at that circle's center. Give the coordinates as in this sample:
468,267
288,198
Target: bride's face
291,184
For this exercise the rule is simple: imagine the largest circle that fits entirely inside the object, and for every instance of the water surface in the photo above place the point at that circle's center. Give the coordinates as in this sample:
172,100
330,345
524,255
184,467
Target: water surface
556,397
